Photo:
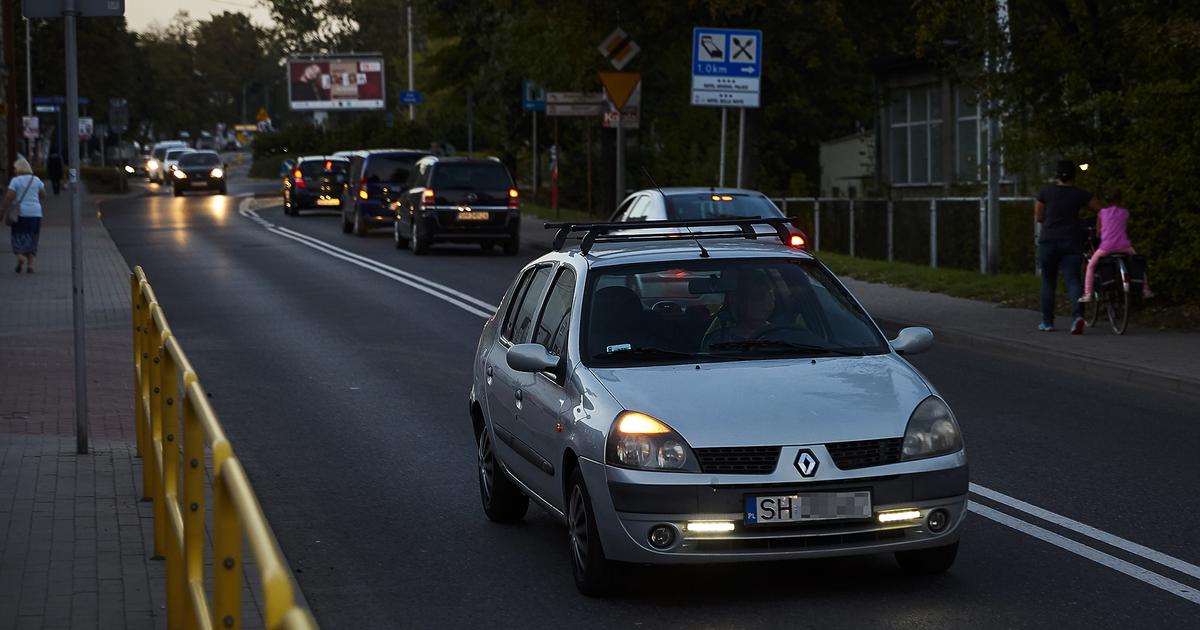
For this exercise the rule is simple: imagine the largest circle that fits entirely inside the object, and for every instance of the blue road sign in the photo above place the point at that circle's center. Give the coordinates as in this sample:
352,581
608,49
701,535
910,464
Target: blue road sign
533,97
411,98
726,67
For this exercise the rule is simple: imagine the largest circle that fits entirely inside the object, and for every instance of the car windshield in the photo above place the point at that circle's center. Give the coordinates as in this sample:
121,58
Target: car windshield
714,205
387,169
721,310
486,176
199,159
173,154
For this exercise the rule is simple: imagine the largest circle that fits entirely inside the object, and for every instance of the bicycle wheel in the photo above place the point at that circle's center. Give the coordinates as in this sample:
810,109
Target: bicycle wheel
1091,310
1117,306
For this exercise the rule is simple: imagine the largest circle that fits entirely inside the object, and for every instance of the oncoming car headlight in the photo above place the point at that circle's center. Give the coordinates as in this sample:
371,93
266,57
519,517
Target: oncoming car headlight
152,165
932,431
216,173
179,174
637,440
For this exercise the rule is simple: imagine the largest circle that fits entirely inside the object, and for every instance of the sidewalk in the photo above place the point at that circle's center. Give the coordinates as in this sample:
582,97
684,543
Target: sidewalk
1162,359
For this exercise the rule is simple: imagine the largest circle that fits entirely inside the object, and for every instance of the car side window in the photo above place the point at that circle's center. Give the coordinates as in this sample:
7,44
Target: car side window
514,302
522,324
555,318
623,210
638,210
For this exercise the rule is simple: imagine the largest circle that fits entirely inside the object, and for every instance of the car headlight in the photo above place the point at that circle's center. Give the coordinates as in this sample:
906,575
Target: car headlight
932,431
637,440
130,169
216,173
179,174
152,165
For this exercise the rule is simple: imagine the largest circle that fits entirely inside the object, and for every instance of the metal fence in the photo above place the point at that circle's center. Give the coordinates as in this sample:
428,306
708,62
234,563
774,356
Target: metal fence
938,231
175,425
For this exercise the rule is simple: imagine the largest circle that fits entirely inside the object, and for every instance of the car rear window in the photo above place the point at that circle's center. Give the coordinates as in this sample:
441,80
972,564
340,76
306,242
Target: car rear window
173,154
388,169
315,168
471,177
199,159
714,205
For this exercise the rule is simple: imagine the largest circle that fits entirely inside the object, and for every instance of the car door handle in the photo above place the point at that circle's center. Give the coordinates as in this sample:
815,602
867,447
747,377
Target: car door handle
518,395
489,370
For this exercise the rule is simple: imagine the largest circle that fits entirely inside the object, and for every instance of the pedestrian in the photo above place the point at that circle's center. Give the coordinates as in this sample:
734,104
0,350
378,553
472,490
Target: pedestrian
1060,242
54,169
1114,239
27,193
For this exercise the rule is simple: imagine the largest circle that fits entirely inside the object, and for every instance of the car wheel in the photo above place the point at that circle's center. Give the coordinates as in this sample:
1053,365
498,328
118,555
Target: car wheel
932,561
223,190
512,246
593,572
417,243
359,228
400,241
502,501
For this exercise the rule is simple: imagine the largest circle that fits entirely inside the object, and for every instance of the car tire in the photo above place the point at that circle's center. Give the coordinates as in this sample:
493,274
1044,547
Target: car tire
401,242
503,501
359,229
932,561
593,572
223,190
418,243
512,246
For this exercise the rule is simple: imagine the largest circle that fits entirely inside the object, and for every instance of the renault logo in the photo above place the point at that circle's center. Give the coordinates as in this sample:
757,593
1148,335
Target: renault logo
806,463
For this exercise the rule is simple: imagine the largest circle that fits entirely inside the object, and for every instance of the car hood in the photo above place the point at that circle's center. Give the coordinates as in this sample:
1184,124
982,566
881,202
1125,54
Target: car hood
774,402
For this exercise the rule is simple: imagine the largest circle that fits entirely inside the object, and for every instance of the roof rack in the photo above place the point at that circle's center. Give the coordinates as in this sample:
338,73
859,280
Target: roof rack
591,233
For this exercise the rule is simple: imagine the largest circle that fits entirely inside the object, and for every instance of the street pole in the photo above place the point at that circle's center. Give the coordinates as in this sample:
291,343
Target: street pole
81,418
993,124
534,162
620,159
412,109
741,142
28,85
721,167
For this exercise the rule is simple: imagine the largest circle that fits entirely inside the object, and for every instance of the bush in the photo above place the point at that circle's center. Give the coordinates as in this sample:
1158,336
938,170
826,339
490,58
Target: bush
104,179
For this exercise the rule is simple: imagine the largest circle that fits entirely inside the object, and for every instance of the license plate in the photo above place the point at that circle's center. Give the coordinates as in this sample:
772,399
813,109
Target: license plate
325,201
807,506
473,216
199,184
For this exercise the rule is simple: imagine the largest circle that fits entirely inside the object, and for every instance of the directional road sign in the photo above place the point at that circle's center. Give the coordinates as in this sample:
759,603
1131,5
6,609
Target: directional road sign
411,98
726,67
574,103
84,8
533,97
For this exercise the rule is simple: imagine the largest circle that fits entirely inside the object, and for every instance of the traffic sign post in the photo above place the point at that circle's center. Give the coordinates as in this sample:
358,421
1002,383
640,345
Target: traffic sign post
727,72
620,86
533,100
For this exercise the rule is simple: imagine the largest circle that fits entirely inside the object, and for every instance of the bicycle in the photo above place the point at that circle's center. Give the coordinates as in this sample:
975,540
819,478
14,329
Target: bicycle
1118,287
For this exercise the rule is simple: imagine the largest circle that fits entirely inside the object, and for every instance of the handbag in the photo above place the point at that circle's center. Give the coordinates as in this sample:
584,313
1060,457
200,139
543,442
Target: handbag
12,212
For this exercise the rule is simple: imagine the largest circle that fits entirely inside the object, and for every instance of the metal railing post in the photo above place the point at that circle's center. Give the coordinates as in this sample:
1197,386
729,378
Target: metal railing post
785,206
816,225
983,235
134,316
176,583
933,257
890,233
157,448
227,545
851,228
143,402
193,496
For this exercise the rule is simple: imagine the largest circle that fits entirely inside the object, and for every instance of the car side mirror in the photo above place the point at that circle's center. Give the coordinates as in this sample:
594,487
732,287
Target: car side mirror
531,357
913,340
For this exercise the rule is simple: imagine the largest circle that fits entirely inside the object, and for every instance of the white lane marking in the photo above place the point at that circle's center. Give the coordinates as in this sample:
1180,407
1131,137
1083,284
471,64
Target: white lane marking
1089,531
1080,549
462,300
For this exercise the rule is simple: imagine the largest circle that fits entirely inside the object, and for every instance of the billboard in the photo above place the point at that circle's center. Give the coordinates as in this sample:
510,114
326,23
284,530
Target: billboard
335,82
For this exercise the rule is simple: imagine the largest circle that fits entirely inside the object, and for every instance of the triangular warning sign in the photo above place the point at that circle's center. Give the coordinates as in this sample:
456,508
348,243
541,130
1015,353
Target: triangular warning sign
620,86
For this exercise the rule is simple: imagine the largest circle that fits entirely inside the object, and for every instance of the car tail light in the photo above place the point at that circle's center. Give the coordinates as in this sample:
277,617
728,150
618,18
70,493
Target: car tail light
328,165
797,240
427,198
362,188
513,197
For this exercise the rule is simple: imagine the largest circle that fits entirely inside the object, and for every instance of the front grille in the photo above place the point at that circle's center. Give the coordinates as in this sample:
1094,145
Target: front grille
739,460
865,453
792,543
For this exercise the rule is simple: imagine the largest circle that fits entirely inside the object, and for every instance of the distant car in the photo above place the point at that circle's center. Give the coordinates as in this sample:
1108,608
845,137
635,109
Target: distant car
154,164
378,178
700,204
459,200
170,159
199,170
316,181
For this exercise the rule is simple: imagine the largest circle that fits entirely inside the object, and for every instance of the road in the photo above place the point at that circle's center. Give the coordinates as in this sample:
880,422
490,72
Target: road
343,386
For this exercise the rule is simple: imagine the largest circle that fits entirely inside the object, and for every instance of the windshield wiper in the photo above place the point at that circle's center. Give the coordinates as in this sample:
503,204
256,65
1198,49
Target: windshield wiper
781,345
644,353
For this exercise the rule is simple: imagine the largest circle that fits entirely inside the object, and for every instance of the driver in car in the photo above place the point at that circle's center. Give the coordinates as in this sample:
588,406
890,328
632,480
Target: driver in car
746,312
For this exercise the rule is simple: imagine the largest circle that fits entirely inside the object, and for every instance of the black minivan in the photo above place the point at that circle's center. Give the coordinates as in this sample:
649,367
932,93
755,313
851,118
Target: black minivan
378,178
459,200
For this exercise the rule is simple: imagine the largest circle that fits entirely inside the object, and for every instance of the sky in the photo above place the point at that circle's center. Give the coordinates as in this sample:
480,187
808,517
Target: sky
142,13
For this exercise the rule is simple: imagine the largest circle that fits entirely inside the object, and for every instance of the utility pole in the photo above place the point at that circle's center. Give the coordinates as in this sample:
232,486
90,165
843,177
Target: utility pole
29,142
534,161
721,166
620,159
996,63
412,109
72,134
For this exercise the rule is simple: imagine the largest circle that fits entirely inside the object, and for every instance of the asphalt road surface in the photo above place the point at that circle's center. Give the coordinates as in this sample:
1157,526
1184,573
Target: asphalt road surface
341,375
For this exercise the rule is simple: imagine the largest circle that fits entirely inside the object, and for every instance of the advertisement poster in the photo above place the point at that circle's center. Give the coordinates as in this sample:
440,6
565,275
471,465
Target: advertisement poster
332,83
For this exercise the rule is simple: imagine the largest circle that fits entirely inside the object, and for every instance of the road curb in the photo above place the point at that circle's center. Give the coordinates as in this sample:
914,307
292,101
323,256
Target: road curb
1112,370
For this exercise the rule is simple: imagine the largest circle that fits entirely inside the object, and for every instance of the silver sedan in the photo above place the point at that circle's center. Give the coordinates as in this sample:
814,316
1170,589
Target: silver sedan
673,401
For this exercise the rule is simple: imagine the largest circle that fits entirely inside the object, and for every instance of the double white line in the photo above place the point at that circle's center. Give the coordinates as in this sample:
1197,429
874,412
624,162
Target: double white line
440,291
485,310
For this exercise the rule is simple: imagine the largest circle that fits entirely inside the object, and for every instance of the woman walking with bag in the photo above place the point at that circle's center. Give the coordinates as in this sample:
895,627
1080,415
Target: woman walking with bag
23,211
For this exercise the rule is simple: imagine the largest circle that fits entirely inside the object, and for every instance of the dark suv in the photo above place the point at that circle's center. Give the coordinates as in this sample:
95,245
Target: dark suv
459,200
315,181
377,179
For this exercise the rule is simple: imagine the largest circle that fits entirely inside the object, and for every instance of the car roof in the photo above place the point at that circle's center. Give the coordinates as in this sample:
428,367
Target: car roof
462,159
205,152
370,152
180,150
628,253
321,158
704,190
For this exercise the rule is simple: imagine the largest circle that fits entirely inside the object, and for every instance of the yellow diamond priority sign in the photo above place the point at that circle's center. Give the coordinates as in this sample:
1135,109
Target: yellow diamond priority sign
620,86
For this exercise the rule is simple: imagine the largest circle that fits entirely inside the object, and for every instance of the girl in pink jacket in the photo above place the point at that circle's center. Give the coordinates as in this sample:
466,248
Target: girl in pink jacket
1110,225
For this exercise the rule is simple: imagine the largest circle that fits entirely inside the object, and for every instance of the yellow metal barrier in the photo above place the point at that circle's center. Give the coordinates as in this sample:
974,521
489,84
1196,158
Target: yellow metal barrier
176,431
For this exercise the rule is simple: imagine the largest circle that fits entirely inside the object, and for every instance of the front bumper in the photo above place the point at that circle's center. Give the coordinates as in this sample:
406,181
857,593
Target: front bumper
198,183
626,509
445,226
